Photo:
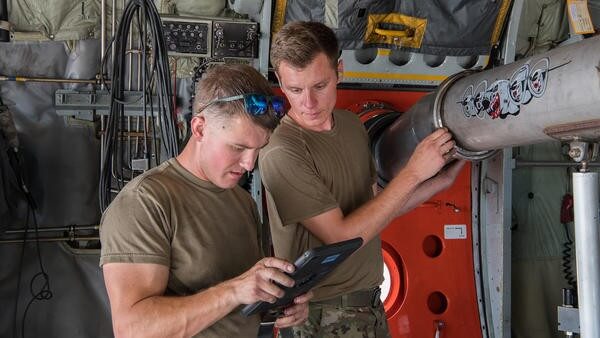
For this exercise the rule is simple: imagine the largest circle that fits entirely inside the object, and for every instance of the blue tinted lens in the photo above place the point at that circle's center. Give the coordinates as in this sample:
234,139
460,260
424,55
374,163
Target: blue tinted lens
256,104
278,105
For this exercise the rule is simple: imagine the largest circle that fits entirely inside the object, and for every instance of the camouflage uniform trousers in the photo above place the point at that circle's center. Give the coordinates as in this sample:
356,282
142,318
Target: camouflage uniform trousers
330,321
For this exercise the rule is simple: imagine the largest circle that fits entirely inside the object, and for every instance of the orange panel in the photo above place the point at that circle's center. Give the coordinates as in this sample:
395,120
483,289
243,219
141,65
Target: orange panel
440,283
401,100
437,282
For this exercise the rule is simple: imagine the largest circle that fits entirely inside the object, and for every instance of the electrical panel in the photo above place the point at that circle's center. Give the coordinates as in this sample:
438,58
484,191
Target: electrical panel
187,36
210,37
235,39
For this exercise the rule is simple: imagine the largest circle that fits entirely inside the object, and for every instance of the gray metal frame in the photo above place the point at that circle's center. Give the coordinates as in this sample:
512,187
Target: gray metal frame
495,202
265,38
476,226
415,72
495,244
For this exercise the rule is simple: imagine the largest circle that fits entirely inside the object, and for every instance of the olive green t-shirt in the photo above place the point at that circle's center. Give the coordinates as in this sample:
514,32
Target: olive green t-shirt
202,233
306,173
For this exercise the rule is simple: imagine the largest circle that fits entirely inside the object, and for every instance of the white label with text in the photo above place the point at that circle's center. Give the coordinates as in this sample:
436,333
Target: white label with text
455,231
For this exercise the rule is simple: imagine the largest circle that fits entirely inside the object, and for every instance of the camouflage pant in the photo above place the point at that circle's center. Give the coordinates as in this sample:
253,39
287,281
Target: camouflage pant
330,321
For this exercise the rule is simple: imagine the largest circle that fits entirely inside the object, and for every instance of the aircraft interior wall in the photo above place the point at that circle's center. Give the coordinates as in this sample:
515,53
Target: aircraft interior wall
61,291
55,288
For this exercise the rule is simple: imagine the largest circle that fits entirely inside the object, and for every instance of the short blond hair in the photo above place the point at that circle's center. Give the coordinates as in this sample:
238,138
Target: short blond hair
298,43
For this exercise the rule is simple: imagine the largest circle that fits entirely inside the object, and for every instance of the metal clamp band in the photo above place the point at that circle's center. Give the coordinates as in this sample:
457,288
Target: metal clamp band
438,122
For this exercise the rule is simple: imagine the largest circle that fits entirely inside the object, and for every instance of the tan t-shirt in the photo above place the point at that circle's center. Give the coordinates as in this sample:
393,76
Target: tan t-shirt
203,233
306,173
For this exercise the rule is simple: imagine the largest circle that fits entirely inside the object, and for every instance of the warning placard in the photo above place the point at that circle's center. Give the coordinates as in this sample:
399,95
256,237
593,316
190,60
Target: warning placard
579,17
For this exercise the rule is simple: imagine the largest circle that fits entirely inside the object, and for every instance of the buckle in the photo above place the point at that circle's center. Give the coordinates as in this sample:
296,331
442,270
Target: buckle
376,298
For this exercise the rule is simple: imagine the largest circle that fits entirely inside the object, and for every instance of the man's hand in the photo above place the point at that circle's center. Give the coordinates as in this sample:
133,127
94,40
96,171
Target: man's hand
258,283
297,313
431,154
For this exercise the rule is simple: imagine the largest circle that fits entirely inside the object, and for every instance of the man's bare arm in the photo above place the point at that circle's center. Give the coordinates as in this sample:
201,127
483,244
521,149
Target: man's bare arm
370,219
139,308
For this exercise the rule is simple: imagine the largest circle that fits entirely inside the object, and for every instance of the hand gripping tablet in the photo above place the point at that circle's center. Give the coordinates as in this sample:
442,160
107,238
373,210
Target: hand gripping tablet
311,268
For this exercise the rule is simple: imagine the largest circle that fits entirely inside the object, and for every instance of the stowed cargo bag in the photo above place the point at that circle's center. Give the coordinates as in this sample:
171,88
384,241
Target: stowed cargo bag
450,27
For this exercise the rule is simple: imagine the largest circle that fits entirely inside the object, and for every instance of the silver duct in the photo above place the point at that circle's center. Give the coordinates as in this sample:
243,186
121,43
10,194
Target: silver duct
555,95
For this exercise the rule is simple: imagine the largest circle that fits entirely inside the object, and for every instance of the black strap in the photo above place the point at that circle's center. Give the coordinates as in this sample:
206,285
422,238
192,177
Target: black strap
265,330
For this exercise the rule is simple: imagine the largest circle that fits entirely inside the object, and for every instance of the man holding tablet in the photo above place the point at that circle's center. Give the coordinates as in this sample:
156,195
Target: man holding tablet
180,243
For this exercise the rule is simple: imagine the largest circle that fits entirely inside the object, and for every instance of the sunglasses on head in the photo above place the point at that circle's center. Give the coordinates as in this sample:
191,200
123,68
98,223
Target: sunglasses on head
256,104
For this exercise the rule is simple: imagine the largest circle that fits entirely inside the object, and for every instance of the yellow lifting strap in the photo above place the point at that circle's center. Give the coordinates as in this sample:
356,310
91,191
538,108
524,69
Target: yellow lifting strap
411,36
500,20
278,16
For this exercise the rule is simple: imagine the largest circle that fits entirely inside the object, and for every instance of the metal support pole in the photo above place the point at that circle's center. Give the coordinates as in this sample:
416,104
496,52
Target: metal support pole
552,164
587,243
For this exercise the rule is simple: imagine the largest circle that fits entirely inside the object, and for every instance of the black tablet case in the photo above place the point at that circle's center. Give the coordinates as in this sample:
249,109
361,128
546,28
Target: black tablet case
311,268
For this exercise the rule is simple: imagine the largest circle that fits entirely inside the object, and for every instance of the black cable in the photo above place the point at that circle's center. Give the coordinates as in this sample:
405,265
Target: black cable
4,33
45,292
156,78
103,63
249,43
154,136
566,258
114,115
198,71
20,275
145,87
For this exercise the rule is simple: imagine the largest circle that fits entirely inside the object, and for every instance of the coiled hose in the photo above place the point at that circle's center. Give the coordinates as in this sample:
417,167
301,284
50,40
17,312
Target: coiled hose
566,258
